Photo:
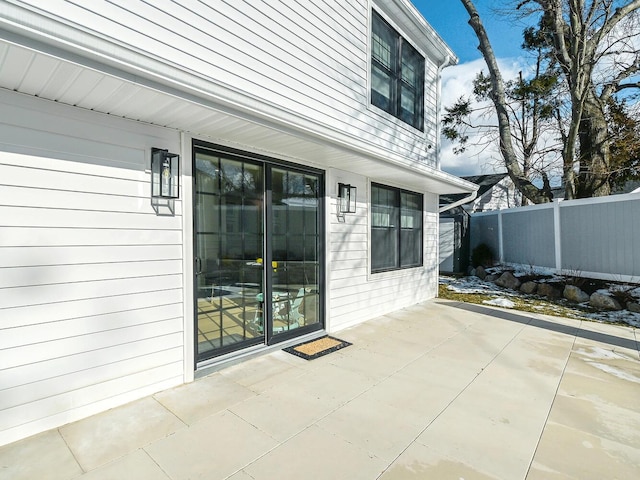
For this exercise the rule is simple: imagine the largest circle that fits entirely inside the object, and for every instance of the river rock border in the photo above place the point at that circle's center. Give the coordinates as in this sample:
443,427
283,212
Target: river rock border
599,300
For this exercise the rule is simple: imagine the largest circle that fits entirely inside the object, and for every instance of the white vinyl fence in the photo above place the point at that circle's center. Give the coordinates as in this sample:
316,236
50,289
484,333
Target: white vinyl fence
593,237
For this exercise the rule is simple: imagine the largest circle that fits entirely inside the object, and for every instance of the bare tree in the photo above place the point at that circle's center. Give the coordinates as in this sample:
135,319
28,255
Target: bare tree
594,44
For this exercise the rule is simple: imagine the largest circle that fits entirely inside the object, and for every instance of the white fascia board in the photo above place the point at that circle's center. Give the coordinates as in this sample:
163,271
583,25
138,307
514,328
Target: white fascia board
413,24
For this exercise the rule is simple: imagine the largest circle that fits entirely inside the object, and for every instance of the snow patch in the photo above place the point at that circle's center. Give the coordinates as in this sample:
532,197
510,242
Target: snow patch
598,353
500,302
616,372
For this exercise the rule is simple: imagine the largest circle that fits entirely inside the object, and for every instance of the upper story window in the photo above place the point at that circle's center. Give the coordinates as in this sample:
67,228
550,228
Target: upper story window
397,74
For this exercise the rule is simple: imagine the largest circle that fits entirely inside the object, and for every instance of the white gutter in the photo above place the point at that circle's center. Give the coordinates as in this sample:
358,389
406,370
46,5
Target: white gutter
462,201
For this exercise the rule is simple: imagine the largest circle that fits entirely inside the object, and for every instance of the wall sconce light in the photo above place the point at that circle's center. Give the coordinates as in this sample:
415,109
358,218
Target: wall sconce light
347,198
164,174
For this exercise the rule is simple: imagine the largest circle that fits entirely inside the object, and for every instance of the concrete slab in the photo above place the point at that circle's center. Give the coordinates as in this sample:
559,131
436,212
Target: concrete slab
207,396
137,465
602,391
494,437
316,454
564,450
332,384
283,413
375,365
42,456
420,462
215,447
102,438
261,373
610,422
421,398
366,424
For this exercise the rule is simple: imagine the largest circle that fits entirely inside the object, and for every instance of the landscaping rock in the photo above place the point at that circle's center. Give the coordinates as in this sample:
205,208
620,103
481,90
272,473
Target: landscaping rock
601,300
472,272
633,307
528,287
481,273
548,291
574,294
490,278
507,280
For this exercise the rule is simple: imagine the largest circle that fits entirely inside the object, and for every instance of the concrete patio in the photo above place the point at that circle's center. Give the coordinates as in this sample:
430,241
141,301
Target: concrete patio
441,390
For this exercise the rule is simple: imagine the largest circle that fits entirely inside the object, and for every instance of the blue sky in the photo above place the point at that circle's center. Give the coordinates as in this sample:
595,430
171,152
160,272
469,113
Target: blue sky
449,18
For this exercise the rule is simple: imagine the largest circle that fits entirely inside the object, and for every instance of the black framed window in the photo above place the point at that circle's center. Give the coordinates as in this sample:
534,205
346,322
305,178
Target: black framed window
397,74
396,228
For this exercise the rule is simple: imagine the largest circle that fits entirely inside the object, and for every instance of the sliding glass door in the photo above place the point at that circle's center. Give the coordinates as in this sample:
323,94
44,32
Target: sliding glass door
295,245
258,251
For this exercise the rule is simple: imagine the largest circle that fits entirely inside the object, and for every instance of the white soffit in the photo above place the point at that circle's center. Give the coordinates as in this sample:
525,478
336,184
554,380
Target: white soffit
31,72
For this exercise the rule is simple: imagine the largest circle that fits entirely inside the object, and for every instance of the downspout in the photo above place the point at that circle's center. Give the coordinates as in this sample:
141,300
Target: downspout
447,62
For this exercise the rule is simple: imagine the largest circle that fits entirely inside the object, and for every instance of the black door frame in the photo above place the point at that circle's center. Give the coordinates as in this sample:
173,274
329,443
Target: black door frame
267,281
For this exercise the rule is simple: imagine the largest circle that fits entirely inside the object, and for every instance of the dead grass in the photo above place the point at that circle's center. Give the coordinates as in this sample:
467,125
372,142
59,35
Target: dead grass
531,305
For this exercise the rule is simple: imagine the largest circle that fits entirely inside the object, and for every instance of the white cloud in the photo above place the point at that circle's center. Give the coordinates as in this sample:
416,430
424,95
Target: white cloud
457,81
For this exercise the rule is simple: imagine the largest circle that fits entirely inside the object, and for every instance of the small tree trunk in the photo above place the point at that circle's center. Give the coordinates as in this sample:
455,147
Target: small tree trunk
593,177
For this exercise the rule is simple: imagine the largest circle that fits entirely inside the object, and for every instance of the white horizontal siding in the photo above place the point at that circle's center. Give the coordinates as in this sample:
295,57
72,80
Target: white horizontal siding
105,237
355,294
48,275
34,334
307,58
91,279
44,313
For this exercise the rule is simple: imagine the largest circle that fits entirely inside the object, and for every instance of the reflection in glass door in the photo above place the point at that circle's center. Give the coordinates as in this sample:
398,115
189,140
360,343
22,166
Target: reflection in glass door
228,242
295,246
258,252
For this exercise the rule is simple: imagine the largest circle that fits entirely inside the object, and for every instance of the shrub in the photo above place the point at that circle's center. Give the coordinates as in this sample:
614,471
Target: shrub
482,255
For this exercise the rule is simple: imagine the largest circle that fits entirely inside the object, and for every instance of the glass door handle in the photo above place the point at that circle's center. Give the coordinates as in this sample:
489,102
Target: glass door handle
198,265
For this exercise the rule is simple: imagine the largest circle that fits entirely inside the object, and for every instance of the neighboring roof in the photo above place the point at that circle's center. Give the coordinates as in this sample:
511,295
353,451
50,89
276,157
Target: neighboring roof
485,182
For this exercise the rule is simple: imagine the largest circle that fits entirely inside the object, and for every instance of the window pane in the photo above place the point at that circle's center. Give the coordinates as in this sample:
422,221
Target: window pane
412,87
411,65
384,249
385,213
408,106
383,40
381,89
411,229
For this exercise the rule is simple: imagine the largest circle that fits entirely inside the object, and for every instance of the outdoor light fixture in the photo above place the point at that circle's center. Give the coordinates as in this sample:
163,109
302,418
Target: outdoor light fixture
164,174
346,198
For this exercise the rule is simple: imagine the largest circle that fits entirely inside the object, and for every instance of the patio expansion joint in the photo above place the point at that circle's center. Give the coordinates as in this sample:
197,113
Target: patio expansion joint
155,462
555,395
75,458
171,412
464,389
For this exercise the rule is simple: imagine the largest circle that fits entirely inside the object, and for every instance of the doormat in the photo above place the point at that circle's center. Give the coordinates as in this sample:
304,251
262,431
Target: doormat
317,348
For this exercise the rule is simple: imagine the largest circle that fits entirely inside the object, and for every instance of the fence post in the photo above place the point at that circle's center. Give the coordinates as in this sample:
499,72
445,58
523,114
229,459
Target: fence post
557,234
500,240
